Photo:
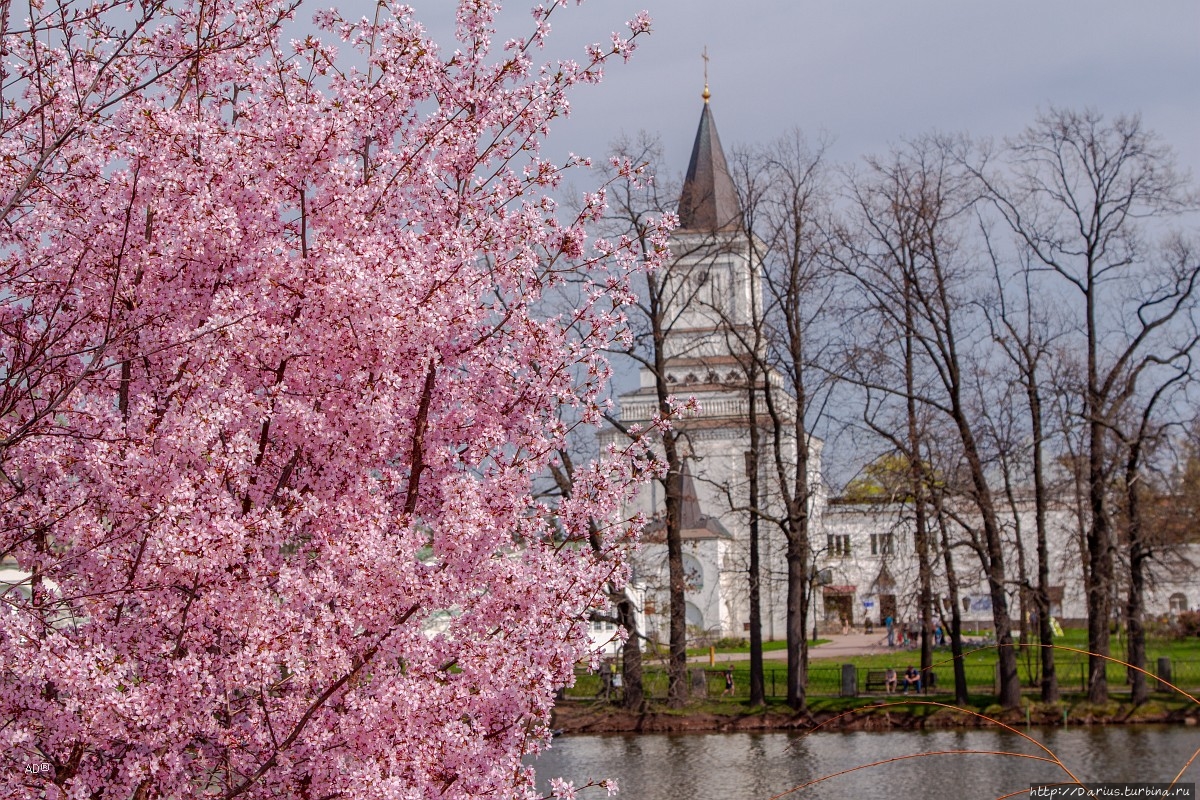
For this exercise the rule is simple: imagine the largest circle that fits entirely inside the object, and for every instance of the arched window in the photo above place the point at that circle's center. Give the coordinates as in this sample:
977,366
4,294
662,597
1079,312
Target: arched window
695,617
1178,603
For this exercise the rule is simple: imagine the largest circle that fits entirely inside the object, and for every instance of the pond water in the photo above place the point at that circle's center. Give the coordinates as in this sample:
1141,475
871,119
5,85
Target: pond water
746,766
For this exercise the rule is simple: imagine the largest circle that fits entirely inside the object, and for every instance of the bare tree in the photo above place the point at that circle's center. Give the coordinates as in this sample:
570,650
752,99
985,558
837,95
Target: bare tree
1142,426
657,322
1023,333
907,256
786,201
1077,192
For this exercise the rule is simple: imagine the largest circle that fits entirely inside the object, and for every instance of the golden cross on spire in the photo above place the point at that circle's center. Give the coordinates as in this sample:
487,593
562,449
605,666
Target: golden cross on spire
707,94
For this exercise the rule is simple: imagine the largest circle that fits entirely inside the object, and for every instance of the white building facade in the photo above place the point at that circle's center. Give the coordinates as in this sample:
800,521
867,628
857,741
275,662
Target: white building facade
864,559
713,293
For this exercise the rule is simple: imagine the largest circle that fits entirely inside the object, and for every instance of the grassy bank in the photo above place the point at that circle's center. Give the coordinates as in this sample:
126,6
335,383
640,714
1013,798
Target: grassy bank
825,675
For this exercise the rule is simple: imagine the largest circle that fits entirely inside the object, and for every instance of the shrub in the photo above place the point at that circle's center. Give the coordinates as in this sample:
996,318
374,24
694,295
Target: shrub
1187,624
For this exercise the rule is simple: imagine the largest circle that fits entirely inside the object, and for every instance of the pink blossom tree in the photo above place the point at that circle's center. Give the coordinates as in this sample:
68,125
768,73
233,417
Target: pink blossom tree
276,384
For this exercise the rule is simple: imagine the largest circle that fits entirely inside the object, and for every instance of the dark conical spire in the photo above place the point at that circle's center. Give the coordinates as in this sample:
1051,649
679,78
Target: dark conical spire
689,511
693,524
709,201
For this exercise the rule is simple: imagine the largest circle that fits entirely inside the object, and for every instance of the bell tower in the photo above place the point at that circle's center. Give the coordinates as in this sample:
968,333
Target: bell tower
711,297
714,289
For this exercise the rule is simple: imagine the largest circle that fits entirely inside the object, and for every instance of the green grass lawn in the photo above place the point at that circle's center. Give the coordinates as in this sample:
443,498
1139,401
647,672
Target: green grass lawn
767,647
1070,664
824,680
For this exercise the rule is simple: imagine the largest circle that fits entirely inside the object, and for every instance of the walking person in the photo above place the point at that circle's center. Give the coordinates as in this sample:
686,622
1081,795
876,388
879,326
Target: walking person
606,680
728,682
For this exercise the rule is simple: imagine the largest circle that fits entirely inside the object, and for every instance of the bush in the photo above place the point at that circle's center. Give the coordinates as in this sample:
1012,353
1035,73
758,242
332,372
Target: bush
1187,624
730,643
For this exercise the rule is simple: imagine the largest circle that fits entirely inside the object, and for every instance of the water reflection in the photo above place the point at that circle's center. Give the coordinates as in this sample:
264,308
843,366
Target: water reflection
729,766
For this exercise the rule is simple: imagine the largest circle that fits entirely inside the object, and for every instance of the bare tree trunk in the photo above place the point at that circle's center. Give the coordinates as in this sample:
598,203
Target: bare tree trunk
919,479
1006,657
1139,549
677,686
633,697
784,205
1134,615
1049,682
757,688
956,648
797,614
1023,582
1100,563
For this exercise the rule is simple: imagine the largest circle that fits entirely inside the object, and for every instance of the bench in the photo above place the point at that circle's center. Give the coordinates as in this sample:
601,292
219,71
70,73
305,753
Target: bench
877,680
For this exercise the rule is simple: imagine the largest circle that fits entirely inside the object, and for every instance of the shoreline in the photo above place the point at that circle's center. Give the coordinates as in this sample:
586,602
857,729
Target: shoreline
578,717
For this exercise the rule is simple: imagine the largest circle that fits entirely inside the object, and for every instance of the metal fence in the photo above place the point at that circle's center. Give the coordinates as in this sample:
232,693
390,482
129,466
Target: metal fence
1073,673
826,681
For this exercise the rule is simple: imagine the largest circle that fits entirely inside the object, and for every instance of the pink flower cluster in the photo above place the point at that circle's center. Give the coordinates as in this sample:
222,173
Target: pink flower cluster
278,376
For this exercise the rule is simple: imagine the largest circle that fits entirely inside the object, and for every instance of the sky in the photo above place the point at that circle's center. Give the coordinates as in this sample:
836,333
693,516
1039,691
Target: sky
866,73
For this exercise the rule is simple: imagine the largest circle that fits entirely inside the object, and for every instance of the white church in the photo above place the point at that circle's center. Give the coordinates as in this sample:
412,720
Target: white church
864,554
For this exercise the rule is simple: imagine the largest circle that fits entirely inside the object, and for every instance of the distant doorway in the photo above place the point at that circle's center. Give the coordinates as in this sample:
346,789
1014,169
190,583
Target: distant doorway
839,610
887,608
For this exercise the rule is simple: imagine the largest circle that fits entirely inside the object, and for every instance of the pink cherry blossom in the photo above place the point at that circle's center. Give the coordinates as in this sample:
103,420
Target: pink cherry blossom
279,375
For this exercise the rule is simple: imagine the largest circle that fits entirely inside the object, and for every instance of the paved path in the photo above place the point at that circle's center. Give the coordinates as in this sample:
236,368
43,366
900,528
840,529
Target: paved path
853,644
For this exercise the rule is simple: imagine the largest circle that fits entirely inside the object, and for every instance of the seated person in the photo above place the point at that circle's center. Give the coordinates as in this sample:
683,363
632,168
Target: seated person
912,678
889,681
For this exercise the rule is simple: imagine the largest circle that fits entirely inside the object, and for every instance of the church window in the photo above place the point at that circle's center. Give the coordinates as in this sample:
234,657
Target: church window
1178,603
714,289
838,544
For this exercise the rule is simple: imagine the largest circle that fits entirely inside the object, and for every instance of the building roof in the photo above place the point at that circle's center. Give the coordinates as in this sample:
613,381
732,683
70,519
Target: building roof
709,200
694,525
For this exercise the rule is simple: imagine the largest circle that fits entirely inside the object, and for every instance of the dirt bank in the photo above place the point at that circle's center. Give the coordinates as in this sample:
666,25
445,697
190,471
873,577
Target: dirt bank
576,717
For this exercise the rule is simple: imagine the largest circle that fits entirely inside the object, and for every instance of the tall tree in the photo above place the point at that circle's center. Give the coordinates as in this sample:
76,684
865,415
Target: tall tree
284,391
1079,194
1142,428
1023,333
785,202
908,260
635,210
